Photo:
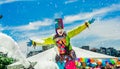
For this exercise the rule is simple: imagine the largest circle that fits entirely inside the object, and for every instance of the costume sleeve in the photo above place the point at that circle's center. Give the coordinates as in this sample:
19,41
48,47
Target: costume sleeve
78,29
46,42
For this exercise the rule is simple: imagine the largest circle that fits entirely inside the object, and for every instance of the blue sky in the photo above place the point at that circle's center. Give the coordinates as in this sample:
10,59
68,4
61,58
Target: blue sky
34,19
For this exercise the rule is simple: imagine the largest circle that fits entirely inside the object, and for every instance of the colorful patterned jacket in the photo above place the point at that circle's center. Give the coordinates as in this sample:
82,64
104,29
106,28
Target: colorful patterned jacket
70,34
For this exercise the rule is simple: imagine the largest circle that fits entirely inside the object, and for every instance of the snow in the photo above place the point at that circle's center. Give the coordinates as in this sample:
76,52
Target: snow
45,60
46,65
12,48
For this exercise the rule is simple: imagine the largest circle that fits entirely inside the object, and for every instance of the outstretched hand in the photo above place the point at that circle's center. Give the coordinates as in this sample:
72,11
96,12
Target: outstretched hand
91,21
29,43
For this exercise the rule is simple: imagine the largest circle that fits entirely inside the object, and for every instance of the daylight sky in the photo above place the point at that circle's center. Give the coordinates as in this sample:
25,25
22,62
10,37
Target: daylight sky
34,19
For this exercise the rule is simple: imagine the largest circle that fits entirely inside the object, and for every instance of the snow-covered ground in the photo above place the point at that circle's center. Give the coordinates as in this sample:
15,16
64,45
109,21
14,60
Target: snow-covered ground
45,60
11,47
8,45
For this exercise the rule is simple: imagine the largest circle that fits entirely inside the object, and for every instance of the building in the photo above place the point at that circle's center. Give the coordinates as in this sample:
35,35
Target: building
111,51
39,50
118,53
93,49
2,54
31,53
103,50
85,47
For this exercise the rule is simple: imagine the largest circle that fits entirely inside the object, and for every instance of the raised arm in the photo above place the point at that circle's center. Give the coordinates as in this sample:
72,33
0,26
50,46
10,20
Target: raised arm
80,28
44,42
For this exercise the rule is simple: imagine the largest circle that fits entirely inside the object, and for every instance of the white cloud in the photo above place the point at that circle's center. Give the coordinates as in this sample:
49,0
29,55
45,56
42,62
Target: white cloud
32,25
10,1
70,1
106,43
104,33
1,28
7,1
26,35
40,34
67,19
109,28
98,12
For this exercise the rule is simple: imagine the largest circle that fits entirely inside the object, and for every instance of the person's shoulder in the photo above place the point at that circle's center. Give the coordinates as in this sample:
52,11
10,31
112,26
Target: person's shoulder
65,34
55,36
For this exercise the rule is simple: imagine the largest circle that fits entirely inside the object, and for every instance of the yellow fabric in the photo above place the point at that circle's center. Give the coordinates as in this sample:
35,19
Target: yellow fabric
77,30
48,41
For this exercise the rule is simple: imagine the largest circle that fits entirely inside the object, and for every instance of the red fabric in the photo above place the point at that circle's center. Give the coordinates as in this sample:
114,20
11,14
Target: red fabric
70,65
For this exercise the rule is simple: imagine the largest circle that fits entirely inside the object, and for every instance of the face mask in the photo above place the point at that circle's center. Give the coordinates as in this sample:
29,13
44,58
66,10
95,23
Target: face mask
60,32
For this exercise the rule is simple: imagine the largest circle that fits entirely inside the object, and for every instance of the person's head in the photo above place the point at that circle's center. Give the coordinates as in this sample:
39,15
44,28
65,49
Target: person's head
59,27
60,31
